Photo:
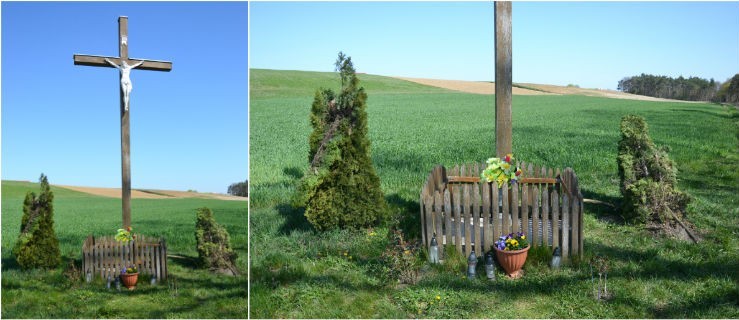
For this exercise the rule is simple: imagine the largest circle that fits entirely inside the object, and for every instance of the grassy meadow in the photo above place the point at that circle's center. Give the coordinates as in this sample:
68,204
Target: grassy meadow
297,272
51,294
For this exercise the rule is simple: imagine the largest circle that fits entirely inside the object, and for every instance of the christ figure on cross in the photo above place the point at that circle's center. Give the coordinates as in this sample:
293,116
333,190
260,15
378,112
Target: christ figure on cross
126,84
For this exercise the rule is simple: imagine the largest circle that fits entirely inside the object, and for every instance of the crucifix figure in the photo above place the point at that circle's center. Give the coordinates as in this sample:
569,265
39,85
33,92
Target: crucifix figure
124,64
126,85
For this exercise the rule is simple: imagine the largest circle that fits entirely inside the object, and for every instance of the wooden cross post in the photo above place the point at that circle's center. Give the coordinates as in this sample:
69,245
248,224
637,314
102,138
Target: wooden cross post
503,79
99,61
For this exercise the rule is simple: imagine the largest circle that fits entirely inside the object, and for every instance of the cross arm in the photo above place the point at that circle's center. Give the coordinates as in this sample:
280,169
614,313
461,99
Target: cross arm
99,61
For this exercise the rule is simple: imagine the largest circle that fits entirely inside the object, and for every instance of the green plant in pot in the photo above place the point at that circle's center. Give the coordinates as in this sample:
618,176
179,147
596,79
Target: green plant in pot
511,251
129,277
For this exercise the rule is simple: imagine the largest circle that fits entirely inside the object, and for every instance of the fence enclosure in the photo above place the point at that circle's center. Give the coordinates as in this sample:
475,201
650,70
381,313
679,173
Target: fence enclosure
104,256
471,214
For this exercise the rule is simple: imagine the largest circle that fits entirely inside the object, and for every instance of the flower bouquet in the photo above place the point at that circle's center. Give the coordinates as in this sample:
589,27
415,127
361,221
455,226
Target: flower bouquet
501,170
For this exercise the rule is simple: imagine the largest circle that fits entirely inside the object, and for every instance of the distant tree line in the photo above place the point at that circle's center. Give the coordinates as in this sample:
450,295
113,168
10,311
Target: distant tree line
729,91
240,189
680,88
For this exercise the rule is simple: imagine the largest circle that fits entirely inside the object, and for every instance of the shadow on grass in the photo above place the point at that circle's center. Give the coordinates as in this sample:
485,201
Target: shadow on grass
187,262
651,264
714,303
607,211
10,264
405,213
293,172
721,114
287,275
295,219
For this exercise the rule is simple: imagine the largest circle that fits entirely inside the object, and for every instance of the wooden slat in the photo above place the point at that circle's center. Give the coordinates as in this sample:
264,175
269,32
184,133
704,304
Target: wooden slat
545,219
457,204
476,217
99,61
497,223
525,210
438,207
515,209
581,212
99,259
555,217
565,227
423,218
467,179
575,227
528,173
428,206
535,216
448,230
155,265
467,221
506,229
486,214
164,253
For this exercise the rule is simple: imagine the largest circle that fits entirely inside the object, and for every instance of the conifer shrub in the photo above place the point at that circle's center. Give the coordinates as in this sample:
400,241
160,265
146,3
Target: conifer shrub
341,189
214,244
648,176
37,245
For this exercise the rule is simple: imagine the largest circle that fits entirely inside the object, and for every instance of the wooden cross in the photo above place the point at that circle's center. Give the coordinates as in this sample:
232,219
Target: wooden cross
503,79
99,61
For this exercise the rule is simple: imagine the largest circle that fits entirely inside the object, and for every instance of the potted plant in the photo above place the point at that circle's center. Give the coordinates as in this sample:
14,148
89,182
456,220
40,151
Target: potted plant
511,251
129,277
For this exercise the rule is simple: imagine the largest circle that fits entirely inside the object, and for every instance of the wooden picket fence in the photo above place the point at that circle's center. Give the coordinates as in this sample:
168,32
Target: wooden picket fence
106,257
470,215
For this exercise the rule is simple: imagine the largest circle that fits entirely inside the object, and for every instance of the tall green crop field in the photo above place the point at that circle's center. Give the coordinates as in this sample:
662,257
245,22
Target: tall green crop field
51,294
297,272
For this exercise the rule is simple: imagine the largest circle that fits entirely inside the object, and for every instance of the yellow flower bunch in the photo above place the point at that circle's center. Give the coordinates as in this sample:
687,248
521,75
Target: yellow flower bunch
501,170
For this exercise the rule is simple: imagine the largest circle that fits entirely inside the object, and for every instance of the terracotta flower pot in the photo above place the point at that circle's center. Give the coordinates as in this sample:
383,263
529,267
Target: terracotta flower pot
129,280
512,261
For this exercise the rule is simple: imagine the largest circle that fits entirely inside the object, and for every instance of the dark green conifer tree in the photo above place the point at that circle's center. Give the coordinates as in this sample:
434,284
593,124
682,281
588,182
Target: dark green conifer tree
341,189
648,176
214,244
37,245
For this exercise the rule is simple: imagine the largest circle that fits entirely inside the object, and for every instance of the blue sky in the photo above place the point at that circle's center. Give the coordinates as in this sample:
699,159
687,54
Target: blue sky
591,44
189,127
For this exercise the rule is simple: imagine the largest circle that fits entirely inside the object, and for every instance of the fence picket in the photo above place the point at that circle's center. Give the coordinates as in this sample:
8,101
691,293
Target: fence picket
486,214
479,231
428,202
457,199
506,229
497,223
525,209
446,237
515,208
424,231
555,220
467,220
565,227
546,220
438,206
535,237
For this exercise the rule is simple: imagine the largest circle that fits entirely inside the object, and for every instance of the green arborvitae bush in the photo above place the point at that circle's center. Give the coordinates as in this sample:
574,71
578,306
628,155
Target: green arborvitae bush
648,176
341,189
37,245
214,244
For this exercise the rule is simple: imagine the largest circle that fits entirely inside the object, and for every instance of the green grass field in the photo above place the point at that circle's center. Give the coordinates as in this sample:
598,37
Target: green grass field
297,272
49,294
